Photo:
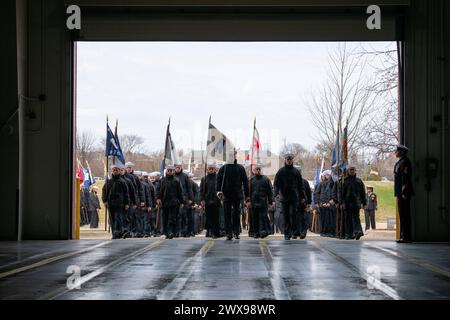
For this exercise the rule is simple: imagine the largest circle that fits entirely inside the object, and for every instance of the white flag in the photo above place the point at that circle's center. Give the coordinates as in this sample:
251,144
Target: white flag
219,147
171,151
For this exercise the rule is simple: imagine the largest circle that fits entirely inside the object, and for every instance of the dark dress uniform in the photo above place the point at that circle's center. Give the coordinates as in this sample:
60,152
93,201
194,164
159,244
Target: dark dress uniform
185,212
193,221
84,207
232,181
128,217
93,206
369,210
304,218
116,196
208,194
289,184
261,196
327,211
170,193
134,212
403,191
353,197
146,223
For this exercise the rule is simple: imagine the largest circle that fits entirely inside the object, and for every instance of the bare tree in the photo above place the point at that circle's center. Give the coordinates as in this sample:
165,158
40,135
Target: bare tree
297,150
85,145
131,143
344,97
382,130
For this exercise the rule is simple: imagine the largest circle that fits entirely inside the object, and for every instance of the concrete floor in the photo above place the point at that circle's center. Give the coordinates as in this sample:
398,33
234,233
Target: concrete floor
240,269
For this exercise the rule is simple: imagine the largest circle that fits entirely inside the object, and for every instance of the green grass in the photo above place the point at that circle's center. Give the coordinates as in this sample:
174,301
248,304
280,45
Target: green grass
386,200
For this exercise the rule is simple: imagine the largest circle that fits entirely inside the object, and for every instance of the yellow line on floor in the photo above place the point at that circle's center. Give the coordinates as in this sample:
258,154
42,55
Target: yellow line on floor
50,260
419,262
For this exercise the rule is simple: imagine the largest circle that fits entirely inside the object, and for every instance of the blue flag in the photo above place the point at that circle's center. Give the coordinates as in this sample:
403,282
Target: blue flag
87,179
113,146
317,177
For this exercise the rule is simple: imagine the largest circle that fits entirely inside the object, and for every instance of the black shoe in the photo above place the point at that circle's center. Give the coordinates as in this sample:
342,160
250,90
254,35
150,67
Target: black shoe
236,237
229,237
287,238
357,236
170,236
303,236
294,237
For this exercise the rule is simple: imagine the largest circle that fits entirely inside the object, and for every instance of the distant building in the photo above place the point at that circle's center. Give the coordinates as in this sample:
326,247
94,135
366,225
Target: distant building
271,161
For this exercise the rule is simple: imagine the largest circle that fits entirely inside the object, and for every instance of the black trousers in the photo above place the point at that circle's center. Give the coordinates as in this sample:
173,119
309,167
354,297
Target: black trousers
93,214
170,219
404,211
117,215
190,220
290,209
261,224
232,212
212,218
300,222
352,221
369,216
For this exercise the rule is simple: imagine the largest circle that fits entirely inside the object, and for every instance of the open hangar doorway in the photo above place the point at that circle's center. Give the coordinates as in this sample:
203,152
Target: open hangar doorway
423,128
279,84
178,277
263,25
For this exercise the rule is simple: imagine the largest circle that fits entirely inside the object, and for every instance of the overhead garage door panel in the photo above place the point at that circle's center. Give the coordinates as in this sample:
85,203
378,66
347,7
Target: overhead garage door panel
235,27
143,20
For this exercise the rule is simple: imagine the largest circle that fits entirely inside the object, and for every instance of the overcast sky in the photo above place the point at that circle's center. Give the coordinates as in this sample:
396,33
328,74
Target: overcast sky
143,83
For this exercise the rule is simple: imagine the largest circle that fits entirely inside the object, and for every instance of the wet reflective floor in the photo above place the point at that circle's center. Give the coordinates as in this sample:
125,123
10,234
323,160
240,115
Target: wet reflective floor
219,269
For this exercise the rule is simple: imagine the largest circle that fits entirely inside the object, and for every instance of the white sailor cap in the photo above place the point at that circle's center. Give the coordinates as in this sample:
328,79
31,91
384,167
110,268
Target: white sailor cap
170,166
326,172
129,164
351,166
116,165
145,173
137,173
152,174
212,165
258,165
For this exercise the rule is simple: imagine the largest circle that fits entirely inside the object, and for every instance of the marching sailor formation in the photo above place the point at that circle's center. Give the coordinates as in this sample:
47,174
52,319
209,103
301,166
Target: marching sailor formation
142,204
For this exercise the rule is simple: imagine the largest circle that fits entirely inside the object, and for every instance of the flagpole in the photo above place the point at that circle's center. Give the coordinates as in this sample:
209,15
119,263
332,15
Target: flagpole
206,157
158,210
106,178
165,144
250,176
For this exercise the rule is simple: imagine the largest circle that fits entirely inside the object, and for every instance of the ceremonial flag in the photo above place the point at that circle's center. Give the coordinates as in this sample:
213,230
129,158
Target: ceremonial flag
170,152
89,178
316,177
80,174
344,149
86,178
256,145
334,153
113,146
219,147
